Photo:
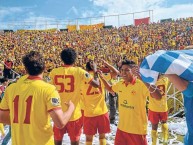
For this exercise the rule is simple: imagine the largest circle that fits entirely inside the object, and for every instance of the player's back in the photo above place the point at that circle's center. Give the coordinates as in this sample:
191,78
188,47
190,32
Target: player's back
94,99
27,100
69,81
160,105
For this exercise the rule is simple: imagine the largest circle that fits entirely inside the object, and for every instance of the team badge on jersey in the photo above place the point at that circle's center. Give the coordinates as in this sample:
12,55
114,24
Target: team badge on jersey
87,75
55,101
125,102
133,92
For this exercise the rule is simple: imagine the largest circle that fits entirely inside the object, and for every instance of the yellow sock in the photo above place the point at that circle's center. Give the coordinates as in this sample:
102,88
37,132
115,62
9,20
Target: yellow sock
102,141
2,129
154,136
165,132
88,143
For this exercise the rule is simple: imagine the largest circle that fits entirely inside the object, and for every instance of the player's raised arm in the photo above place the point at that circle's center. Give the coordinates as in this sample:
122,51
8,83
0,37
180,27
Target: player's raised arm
113,71
95,82
154,91
105,82
178,82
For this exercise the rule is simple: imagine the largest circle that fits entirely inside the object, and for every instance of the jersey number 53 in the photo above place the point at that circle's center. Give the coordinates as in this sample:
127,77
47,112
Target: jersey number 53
59,81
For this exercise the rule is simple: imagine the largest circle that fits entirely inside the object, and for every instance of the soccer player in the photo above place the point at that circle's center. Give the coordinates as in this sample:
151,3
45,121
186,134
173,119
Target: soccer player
8,65
96,118
158,111
8,135
133,93
28,104
3,86
69,80
1,124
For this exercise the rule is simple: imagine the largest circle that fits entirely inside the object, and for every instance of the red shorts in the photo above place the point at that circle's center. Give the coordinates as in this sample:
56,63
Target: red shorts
73,128
155,117
123,138
99,123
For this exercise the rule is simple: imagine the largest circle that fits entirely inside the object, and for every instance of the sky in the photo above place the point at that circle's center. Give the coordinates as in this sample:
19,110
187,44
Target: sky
60,13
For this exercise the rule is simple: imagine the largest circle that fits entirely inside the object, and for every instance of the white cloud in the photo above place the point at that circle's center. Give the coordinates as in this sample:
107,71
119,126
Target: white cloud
176,11
126,6
88,17
104,8
88,13
30,22
160,11
34,22
112,7
5,11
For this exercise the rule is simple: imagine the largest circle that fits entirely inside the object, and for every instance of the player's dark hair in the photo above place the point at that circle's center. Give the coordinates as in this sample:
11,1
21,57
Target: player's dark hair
34,63
68,56
2,80
88,66
128,62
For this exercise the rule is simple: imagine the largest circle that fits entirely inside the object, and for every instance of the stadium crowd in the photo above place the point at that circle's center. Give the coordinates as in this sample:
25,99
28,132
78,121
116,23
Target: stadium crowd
112,45
110,49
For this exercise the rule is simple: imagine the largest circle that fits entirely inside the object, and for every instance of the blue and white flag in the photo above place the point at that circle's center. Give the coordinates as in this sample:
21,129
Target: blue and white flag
179,62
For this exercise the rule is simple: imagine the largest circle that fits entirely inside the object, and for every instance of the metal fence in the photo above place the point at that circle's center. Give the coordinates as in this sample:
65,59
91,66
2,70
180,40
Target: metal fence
115,20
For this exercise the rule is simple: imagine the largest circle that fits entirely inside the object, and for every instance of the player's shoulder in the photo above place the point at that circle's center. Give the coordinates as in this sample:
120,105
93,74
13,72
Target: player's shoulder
44,86
56,69
22,78
121,81
139,82
11,86
80,69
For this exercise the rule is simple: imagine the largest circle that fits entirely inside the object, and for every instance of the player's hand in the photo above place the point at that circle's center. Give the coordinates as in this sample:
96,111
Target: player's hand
104,62
70,105
135,71
100,73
